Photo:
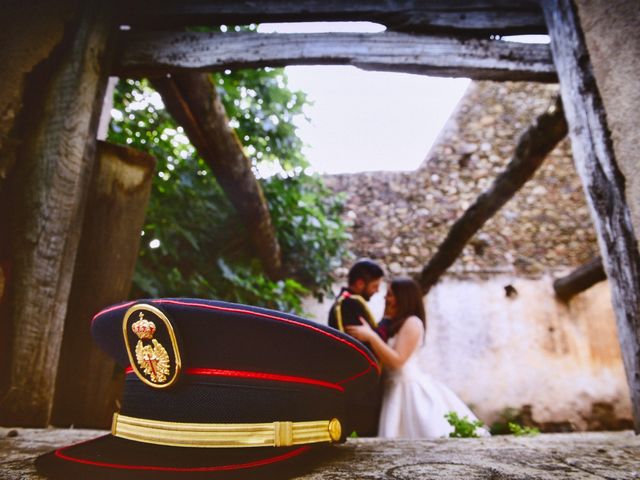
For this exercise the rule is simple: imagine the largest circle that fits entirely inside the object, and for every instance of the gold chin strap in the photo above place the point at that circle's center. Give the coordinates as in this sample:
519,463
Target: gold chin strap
368,315
225,435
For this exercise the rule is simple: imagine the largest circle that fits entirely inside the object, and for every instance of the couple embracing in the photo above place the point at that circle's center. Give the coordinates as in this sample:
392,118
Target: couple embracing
414,404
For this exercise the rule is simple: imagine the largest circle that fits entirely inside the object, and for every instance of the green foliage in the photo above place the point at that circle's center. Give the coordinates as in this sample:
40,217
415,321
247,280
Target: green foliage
520,431
463,427
193,244
512,420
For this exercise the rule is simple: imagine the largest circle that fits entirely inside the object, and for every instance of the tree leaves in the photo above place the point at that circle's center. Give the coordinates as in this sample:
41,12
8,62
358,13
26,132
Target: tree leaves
193,244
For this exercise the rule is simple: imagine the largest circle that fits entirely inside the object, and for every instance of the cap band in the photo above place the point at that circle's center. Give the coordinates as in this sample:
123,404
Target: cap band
225,435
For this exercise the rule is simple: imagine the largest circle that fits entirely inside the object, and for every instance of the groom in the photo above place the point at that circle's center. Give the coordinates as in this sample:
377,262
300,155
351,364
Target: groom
350,305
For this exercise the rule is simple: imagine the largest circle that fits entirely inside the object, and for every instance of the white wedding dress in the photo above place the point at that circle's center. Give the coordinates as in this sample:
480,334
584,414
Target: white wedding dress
414,403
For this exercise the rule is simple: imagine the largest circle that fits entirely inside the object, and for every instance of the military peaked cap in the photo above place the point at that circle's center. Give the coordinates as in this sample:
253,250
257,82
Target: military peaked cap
218,389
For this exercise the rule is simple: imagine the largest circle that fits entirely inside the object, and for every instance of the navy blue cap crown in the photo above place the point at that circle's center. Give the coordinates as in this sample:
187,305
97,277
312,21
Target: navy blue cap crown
200,374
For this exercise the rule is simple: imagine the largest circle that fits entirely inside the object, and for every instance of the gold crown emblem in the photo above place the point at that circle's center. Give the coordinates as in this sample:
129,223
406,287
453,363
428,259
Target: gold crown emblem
144,328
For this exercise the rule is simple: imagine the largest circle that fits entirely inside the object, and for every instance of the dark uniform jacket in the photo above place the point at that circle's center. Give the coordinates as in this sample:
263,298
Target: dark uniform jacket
347,309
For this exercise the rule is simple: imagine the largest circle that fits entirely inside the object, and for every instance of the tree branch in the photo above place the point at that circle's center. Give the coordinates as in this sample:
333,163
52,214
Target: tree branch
192,100
533,147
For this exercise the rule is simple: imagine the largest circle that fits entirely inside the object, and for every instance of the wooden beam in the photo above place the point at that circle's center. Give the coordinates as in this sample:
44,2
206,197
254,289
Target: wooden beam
581,279
152,53
192,100
52,178
602,180
107,256
533,147
469,17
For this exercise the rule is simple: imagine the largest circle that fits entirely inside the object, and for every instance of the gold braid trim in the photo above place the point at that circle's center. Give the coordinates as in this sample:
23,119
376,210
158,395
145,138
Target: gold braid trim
368,315
225,435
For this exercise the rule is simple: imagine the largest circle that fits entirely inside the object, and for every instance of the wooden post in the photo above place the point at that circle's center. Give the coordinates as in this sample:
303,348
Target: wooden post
603,183
107,254
52,175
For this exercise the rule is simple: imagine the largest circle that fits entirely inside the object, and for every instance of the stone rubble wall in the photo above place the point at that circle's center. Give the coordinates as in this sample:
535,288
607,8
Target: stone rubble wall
400,218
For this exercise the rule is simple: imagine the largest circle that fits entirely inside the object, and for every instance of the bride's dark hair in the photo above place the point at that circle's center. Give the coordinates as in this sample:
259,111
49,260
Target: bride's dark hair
408,295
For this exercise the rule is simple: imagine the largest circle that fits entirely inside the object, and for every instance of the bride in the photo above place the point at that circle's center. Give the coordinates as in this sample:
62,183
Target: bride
413,404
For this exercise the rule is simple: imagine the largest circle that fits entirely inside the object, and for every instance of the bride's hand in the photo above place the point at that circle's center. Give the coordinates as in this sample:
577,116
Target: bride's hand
362,332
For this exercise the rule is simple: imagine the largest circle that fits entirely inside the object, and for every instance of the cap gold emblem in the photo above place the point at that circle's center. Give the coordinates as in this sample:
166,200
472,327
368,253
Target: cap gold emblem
152,363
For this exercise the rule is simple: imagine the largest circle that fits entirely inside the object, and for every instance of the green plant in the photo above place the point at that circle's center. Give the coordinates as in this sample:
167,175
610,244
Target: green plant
521,431
193,243
463,427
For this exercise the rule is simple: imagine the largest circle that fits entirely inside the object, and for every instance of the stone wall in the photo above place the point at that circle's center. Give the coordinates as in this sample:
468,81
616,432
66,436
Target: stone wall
401,217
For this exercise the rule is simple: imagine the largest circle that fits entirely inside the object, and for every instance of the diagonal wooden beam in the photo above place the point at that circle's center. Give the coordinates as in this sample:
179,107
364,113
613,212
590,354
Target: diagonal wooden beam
533,147
498,17
192,100
149,53
603,182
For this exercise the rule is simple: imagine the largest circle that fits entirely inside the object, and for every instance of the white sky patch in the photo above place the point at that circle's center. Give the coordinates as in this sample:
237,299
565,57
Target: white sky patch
362,120
320,27
527,38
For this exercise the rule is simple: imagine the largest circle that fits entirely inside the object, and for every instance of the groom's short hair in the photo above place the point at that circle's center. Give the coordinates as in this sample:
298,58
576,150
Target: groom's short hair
365,269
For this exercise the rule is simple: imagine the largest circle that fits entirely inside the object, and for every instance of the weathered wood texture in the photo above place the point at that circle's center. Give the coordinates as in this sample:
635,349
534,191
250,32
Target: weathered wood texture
575,456
149,53
107,254
532,148
580,279
192,100
53,174
602,180
501,17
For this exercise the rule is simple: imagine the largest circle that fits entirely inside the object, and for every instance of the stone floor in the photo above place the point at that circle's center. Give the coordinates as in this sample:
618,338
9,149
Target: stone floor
592,455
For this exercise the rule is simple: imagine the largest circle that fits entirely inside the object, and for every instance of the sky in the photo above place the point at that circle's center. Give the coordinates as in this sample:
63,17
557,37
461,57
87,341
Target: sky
368,121
363,120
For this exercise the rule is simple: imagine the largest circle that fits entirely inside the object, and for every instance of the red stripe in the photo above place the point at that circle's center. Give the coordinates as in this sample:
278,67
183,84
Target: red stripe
357,375
111,309
273,317
216,372
261,376
236,466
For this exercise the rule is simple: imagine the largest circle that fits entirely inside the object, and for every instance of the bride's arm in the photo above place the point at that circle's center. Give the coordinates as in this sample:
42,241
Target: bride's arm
408,339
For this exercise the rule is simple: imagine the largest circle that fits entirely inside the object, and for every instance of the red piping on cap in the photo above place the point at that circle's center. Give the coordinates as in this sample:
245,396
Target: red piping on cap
357,375
261,376
216,372
111,309
237,466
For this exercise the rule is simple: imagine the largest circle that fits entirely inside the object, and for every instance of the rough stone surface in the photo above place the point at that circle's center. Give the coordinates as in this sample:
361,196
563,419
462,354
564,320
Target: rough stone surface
584,456
400,218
